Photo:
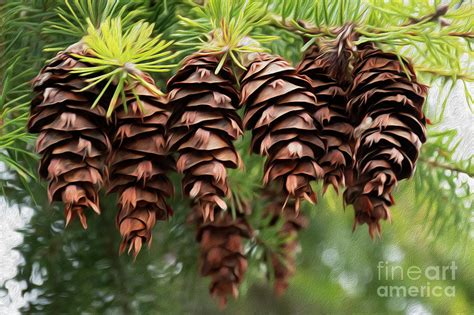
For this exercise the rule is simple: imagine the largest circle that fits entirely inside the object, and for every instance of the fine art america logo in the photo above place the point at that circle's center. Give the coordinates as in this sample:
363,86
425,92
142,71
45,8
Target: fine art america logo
428,280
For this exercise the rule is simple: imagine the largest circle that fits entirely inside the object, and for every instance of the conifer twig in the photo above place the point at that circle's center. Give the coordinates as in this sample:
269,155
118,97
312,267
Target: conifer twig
305,28
462,34
299,27
433,17
446,166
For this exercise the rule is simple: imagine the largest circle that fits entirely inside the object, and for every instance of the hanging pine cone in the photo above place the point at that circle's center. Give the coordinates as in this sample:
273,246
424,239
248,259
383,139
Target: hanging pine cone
202,127
279,110
72,140
222,256
329,84
138,165
386,104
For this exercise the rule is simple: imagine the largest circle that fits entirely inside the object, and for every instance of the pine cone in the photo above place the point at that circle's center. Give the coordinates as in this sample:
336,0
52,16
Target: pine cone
222,252
138,165
331,114
279,110
386,104
72,137
202,127
284,260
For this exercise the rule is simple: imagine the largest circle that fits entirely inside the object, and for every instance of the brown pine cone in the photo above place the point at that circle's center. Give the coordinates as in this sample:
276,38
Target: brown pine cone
330,88
72,140
222,256
202,127
138,165
386,105
280,110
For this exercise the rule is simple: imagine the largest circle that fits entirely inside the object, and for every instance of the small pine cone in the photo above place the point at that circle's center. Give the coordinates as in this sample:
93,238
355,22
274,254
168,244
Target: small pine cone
72,137
222,256
202,127
279,110
386,105
284,261
332,114
138,166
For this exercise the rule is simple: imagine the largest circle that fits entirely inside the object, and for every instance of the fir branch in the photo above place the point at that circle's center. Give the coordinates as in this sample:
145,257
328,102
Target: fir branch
307,29
445,166
73,19
226,28
446,195
122,57
444,73
16,64
300,27
441,10
469,35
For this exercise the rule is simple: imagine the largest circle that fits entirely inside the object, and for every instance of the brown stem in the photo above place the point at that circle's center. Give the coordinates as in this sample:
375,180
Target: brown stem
433,17
446,167
461,34
444,73
305,28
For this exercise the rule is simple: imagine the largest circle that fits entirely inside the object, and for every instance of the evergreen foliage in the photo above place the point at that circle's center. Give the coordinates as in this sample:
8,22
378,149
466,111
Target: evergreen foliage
130,45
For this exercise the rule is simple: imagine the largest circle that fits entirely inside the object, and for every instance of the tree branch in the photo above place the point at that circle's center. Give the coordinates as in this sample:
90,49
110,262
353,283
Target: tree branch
461,34
444,73
446,166
301,27
305,28
433,17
